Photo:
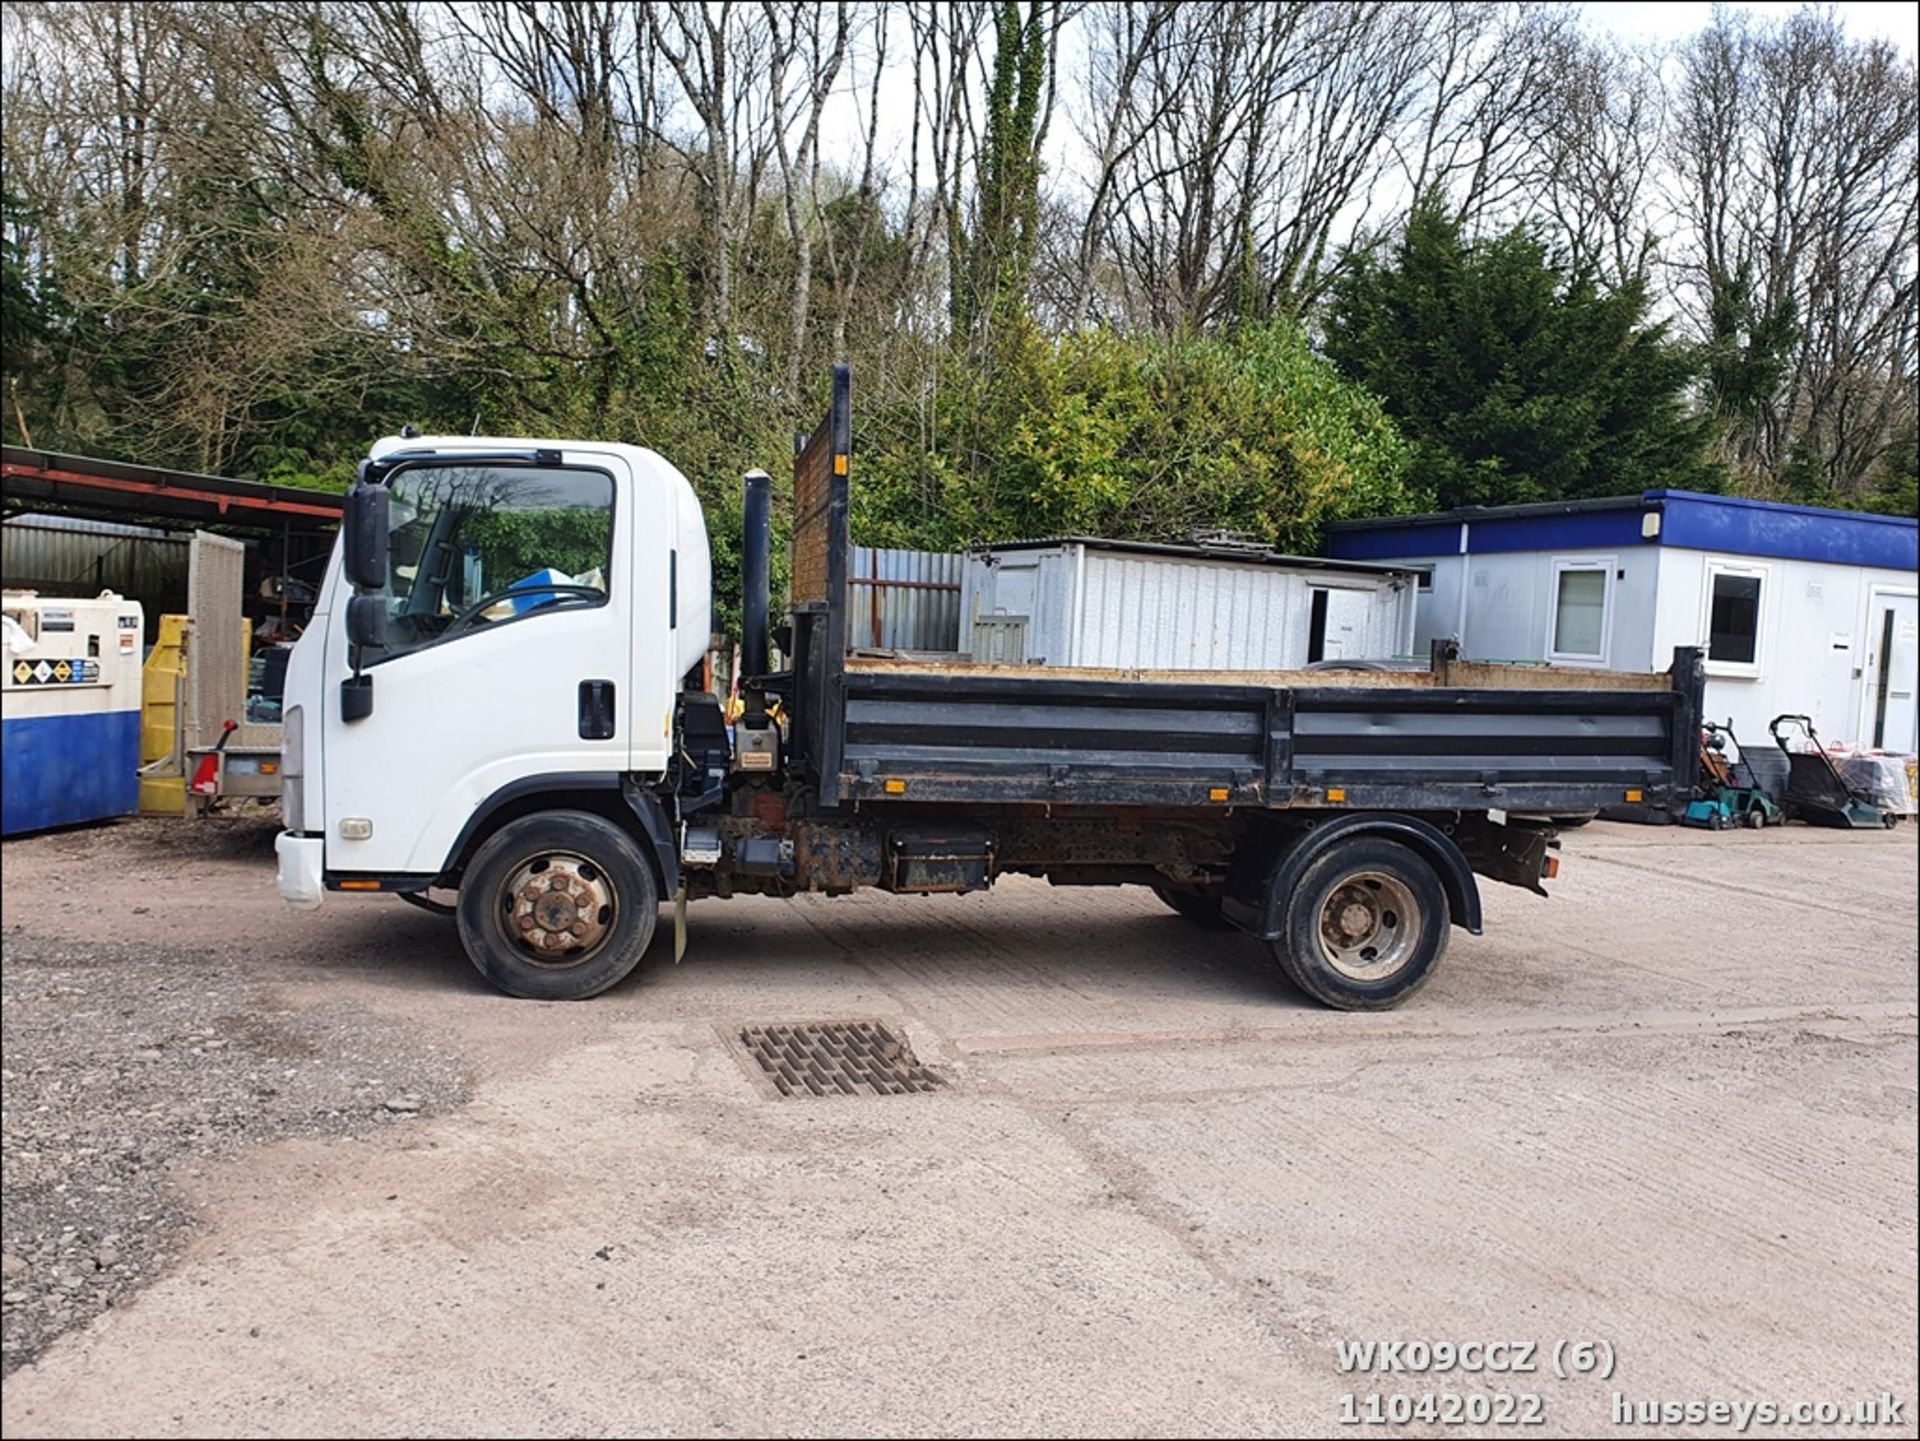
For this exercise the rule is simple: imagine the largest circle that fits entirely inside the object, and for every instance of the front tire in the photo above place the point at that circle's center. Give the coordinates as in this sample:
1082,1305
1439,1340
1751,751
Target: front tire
1366,926
558,906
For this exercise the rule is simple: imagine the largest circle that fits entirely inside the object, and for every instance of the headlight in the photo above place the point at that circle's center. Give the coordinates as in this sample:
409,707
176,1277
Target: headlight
293,742
293,750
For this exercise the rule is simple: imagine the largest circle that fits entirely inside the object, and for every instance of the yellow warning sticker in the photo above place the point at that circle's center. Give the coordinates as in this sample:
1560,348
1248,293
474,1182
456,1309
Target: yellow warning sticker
55,672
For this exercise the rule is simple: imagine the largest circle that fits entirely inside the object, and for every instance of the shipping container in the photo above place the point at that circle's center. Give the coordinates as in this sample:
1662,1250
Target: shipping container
1082,602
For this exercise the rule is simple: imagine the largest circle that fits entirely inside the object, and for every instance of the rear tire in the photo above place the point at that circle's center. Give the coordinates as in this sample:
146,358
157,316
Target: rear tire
558,906
1200,907
1366,926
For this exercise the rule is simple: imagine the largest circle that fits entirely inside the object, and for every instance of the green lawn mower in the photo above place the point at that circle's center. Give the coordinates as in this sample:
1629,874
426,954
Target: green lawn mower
1816,791
1732,792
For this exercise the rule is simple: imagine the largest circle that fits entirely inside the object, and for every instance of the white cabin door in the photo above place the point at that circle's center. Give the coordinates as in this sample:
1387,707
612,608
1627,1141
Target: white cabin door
1893,640
1339,624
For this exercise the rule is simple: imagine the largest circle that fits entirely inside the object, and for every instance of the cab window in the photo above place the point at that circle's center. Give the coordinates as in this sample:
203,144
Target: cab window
474,546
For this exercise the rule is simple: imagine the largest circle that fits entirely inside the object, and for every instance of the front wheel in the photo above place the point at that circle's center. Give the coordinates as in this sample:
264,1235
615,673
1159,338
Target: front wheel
1366,926
558,906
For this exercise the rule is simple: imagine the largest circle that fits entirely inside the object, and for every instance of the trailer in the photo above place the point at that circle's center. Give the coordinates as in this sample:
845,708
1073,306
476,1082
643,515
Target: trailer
228,753
510,711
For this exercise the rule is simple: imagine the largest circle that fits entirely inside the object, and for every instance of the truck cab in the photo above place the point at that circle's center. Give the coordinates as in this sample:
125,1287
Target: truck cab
539,604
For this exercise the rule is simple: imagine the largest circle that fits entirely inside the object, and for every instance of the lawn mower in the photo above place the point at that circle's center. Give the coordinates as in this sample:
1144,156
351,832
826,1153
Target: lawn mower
1816,791
1731,792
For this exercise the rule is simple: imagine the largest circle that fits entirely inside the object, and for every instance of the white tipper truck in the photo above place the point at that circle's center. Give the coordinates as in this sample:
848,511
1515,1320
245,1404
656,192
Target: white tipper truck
500,695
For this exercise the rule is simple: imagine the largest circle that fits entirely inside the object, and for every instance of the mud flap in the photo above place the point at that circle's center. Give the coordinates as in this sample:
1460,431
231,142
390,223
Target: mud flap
1513,854
679,924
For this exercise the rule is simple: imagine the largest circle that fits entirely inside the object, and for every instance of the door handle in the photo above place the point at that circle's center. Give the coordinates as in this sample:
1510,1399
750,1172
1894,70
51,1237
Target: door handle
596,710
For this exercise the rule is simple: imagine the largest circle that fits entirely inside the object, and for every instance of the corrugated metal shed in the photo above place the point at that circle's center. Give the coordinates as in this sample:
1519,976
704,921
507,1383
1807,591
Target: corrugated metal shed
64,555
1127,605
903,599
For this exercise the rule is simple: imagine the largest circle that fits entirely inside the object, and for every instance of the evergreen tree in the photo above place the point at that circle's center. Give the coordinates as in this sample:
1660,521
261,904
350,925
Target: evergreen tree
1514,378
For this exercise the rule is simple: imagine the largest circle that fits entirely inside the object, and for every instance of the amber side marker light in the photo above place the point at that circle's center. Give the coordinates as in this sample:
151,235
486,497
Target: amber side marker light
359,885
1635,797
1550,868
896,788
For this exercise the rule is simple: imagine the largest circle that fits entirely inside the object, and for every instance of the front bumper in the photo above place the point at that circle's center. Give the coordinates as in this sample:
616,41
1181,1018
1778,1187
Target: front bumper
302,866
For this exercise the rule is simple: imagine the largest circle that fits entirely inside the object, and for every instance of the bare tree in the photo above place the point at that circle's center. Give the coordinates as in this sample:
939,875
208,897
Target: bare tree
847,247
813,39
1487,78
1598,152
1794,155
1246,143
1127,39
716,51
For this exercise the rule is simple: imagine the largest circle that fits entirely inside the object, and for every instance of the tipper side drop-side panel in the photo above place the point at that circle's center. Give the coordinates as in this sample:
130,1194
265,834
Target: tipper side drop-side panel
1458,737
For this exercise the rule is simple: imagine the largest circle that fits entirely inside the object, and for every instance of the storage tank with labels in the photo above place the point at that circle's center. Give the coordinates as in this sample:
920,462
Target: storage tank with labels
69,710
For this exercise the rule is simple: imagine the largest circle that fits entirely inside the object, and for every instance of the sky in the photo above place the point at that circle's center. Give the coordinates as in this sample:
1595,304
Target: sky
1640,20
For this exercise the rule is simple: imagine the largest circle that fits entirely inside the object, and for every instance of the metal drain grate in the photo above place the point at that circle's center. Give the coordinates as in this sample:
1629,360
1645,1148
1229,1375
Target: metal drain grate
836,1058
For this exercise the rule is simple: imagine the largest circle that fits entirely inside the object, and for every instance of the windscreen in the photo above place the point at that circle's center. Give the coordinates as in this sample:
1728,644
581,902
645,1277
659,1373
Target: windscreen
475,545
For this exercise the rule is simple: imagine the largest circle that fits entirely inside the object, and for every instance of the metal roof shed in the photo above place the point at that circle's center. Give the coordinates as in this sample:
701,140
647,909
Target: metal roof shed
1084,601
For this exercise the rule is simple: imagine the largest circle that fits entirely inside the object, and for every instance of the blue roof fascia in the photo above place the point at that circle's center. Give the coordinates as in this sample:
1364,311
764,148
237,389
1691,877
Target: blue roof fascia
1731,525
1736,526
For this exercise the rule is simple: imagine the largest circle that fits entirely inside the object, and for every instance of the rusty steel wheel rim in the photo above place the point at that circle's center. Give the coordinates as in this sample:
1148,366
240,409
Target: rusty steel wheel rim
558,909
1369,926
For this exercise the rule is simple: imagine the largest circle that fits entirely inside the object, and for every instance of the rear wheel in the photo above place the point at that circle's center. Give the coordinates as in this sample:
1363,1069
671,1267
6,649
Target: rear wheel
1200,907
558,906
1366,926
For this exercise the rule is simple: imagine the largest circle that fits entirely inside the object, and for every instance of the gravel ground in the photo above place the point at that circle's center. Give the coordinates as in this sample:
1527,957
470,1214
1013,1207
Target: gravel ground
1671,1109
131,1064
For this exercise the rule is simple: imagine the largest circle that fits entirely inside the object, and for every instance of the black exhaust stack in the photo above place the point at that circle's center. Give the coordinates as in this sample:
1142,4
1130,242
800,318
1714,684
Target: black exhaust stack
756,542
756,739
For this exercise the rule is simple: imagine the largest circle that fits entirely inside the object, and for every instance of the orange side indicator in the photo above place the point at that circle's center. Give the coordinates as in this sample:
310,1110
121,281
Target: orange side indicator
1219,793
1336,794
359,885
1550,868
896,788
1635,797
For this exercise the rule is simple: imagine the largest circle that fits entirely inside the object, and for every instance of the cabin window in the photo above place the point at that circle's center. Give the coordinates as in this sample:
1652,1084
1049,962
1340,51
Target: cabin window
1733,604
1582,611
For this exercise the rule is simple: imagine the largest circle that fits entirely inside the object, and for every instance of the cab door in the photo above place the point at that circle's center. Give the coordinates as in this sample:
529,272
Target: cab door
510,601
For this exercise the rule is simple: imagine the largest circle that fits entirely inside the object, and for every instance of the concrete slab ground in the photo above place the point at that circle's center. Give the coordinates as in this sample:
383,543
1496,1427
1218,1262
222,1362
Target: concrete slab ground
1670,1113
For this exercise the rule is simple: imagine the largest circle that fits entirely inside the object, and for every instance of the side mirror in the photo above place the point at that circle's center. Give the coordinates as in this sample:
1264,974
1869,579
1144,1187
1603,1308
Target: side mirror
356,698
364,529
367,620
